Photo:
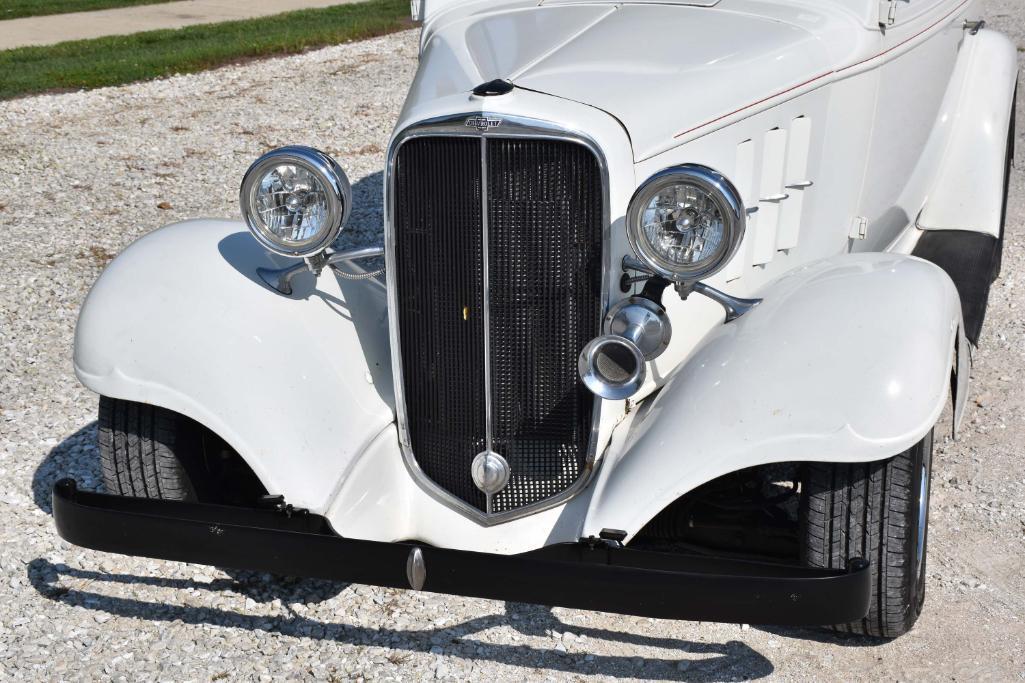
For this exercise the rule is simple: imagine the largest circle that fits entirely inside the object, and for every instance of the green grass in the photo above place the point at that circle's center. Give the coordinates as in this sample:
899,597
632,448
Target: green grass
12,9
123,59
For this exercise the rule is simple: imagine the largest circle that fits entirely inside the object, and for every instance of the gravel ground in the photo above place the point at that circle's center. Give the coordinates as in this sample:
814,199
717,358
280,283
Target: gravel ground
83,175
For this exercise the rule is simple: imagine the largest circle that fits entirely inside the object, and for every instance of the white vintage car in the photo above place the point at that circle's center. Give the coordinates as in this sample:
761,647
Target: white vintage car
672,297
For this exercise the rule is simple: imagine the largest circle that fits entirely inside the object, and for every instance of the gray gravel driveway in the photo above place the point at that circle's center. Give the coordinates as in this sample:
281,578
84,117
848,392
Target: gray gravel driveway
82,175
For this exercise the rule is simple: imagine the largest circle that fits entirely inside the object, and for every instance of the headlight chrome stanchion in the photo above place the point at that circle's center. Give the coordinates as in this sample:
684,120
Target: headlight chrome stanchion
735,306
281,278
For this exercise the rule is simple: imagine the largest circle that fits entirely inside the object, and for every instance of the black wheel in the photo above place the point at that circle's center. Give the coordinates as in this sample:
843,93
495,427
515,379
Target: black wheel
878,511
151,452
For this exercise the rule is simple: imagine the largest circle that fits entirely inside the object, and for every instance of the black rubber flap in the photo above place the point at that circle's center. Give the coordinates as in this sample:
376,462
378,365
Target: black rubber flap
969,258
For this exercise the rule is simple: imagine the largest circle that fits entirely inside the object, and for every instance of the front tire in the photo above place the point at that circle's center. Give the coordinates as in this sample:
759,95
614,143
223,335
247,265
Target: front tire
878,511
141,451
151,452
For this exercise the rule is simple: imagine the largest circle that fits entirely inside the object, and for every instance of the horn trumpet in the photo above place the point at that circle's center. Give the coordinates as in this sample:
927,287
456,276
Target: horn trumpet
637,330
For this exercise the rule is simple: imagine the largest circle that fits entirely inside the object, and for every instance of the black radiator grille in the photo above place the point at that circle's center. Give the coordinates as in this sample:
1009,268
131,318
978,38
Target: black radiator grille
545,219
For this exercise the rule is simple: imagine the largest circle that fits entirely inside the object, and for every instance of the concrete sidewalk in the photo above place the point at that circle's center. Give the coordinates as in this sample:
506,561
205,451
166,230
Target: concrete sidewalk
58,28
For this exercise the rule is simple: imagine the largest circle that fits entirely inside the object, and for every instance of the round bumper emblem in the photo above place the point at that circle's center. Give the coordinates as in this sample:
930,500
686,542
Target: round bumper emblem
490,472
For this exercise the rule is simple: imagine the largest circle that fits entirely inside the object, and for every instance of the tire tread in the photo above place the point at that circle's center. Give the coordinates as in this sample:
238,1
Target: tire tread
867,510
137,451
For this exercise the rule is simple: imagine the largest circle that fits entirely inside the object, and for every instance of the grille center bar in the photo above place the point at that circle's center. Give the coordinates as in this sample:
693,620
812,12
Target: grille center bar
490,471
488,426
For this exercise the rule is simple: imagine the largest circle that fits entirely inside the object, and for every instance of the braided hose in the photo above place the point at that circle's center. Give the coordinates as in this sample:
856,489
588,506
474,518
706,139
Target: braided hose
355,276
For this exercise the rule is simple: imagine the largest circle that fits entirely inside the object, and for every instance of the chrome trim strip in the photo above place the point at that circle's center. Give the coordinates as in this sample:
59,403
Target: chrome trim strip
511,127
486,255
923,503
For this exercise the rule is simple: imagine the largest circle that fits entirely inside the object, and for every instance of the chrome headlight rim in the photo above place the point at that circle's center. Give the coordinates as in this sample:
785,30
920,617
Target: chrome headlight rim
727,200
327,171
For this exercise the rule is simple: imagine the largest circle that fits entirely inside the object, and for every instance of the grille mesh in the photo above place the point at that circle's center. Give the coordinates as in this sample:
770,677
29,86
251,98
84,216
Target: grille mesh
439,254
545,242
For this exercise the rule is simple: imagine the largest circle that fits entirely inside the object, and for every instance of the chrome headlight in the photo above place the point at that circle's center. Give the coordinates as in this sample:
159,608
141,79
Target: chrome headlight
295,200
686,222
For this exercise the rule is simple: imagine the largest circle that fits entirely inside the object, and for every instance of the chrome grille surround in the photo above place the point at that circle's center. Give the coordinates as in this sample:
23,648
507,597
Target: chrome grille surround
510,127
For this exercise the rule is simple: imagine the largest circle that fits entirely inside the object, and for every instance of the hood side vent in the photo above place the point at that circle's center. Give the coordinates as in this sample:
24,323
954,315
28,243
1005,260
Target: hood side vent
770,195
771,175
797,183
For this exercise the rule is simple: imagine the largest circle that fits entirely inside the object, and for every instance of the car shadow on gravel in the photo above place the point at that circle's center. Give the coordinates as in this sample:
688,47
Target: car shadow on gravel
822,635
77,457
365,225
731,658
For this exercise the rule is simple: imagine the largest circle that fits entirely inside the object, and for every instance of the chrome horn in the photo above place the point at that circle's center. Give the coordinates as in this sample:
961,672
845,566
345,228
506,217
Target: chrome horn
611,367
643,322
637,330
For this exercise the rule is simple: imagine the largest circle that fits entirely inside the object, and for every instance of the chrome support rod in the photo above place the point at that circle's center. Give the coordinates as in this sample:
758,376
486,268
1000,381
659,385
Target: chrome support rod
734,305
488,431
281,279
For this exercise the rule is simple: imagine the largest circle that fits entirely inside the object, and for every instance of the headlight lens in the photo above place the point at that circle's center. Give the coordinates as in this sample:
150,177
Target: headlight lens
686,222
295,200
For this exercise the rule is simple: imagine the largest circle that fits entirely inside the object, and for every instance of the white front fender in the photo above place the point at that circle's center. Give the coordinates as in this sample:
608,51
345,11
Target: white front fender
846,359
297,385
968,190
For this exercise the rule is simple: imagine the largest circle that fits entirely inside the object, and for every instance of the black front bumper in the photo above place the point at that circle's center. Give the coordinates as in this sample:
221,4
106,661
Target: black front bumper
585,575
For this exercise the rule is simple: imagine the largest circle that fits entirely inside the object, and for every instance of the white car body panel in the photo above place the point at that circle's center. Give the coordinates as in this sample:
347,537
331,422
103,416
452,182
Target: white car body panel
798,378
591,53
181,320
683,52
892,129
379,500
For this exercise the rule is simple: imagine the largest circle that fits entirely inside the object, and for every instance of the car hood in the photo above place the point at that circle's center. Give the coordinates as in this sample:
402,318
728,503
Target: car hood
664,71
